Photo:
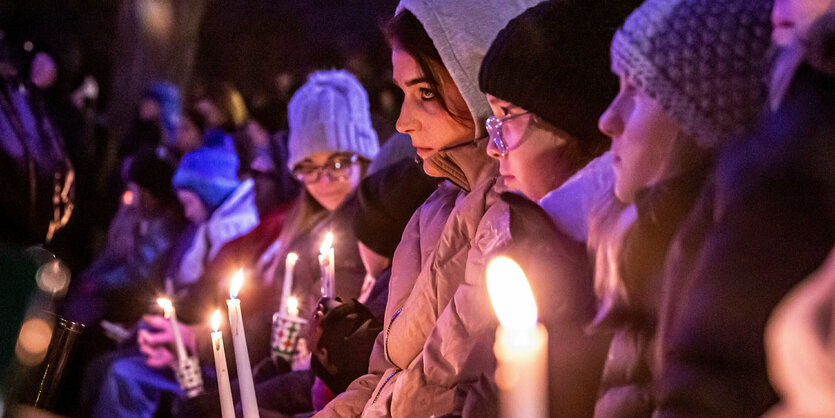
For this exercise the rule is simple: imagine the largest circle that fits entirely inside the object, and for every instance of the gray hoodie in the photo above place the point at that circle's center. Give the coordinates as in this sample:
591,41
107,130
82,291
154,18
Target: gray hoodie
462,31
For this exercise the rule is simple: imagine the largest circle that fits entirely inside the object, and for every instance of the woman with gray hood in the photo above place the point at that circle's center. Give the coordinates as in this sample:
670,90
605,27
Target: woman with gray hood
437,292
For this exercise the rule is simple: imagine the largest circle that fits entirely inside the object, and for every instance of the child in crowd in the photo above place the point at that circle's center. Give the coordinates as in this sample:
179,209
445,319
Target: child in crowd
543,131
222,208
691,74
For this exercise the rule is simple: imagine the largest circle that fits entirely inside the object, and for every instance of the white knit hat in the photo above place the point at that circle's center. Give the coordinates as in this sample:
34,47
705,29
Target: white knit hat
330,114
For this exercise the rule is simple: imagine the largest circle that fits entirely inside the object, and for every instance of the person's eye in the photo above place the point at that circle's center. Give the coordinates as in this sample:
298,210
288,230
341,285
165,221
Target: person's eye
305,169
426,94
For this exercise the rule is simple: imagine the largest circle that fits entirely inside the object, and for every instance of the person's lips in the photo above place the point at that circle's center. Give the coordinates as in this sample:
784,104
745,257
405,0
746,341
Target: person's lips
782,23
423,152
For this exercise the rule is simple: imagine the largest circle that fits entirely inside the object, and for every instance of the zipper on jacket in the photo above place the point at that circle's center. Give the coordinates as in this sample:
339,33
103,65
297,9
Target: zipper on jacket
393,317
383,386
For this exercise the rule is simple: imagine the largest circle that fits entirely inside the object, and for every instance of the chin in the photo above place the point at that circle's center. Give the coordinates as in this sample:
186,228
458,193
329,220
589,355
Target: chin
431,171
782,37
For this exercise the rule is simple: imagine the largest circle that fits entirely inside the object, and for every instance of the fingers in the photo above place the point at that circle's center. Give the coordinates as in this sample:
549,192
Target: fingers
158,357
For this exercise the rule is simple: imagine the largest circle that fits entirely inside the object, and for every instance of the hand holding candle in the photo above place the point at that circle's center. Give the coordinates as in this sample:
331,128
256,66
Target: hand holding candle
521,343
224,388
249,403
187,368
171,315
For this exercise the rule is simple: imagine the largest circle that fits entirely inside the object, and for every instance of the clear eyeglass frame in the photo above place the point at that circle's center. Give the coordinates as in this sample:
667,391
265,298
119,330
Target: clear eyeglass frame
494,131
336,169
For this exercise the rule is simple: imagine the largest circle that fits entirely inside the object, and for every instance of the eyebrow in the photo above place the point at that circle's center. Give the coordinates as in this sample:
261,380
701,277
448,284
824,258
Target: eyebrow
412,82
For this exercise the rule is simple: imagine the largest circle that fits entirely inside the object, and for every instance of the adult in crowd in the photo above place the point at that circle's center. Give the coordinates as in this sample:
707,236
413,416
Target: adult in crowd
766,224
437,48
691,75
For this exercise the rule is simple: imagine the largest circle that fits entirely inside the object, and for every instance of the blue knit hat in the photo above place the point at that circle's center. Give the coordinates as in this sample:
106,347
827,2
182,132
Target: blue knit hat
168,97
210,172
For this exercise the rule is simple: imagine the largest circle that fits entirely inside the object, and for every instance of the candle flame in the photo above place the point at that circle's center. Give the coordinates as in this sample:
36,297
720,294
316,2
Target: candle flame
292,306
326,244
510,294
292,258
215,321
237,282
166,305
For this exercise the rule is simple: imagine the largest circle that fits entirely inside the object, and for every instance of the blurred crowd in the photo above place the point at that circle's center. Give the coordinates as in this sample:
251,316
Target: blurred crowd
661,170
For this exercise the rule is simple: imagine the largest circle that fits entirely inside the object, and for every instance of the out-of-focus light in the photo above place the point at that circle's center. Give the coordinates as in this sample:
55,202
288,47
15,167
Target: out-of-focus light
53,277
127,198
157,17
33,341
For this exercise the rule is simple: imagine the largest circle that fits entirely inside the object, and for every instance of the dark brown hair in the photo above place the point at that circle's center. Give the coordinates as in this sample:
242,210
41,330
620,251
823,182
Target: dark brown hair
405,31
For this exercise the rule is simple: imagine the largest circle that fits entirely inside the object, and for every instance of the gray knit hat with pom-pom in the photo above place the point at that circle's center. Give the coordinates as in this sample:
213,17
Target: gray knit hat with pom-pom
704,61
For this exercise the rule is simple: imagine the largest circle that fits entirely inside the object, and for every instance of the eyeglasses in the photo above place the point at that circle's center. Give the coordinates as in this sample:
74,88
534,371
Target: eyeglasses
335,167
494,130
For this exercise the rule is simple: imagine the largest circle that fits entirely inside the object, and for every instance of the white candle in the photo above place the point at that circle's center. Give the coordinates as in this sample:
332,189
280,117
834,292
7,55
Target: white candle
171,315
224,388
326,257
521,343
249,403
287,288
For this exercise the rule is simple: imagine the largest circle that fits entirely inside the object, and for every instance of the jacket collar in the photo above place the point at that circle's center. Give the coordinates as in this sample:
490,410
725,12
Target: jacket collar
465,165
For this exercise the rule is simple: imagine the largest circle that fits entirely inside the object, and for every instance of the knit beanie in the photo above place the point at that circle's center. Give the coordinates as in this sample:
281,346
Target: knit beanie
384,202
704,61
168,97
330,113
153,174
211,171
553,60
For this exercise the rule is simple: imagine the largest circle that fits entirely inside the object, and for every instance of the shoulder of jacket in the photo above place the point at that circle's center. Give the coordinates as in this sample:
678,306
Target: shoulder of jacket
819,53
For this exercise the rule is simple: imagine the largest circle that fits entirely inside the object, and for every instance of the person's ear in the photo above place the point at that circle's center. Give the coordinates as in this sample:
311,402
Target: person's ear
322,355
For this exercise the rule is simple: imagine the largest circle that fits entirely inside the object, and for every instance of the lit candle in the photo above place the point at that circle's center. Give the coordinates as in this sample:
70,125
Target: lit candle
171,315
521,343
249,403
289,266
292,306
224,389
326,257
